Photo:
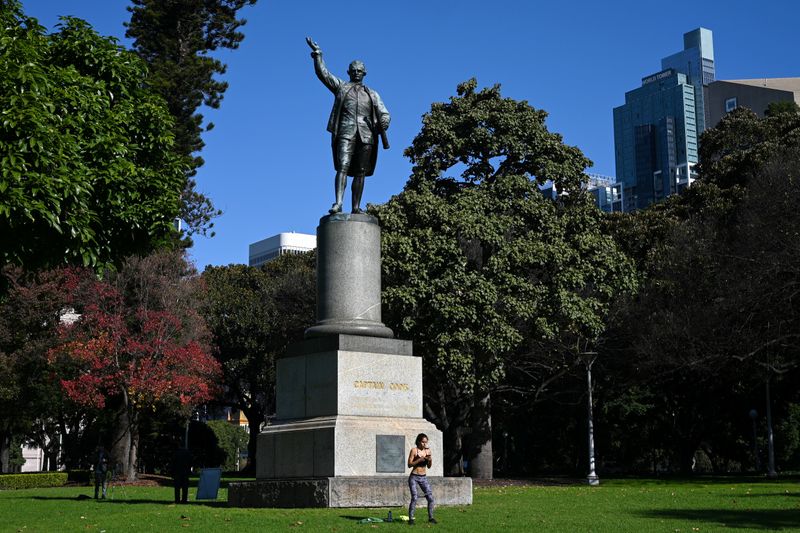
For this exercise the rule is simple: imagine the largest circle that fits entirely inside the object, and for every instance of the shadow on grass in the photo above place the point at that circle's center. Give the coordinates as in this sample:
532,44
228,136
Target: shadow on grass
770,494
122,499
776,519
166,481
733,479
353,517
359,518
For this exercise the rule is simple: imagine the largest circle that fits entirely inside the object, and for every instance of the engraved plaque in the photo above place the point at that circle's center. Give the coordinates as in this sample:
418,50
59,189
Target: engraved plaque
390,454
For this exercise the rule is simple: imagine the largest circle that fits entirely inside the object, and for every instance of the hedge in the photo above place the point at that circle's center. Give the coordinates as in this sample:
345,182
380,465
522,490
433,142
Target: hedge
33,480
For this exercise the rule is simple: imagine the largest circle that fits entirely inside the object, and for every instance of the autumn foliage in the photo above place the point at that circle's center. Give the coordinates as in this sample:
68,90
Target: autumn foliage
136,344
131,344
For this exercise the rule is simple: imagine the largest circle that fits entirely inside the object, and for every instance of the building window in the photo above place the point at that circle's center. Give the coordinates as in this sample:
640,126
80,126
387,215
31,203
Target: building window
730,104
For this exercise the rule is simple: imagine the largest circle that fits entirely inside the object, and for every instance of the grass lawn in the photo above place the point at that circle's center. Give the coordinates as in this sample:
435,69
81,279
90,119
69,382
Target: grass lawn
703,505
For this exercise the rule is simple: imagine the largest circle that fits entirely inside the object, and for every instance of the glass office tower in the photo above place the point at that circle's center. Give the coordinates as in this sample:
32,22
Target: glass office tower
696,61
656,130
655,138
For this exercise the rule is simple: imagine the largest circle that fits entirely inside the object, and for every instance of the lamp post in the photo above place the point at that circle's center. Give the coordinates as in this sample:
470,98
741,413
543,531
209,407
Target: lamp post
753,417
589,359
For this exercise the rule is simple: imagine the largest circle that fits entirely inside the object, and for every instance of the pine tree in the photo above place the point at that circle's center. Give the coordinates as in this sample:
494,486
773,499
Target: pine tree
176,38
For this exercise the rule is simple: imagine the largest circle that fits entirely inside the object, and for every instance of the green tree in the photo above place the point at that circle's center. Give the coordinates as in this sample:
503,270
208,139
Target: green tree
759,160
175,38
785,106
88,169
253,315
232,439
716,317
788,442
737,148
16,460
481,266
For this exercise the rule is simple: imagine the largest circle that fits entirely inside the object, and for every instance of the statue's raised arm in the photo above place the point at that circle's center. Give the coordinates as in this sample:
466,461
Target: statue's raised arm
329,80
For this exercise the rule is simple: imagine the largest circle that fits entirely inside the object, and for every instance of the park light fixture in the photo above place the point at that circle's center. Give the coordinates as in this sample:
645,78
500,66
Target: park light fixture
589,359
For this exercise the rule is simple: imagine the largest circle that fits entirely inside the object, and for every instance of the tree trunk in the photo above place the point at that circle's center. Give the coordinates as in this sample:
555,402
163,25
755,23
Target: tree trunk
123,447
5,452
254,418
70,446
51,459
252,444
452,453
53,451
482,463
133,456
121,444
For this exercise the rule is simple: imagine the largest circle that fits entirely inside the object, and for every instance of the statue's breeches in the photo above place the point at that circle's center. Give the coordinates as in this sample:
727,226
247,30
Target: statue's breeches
353,156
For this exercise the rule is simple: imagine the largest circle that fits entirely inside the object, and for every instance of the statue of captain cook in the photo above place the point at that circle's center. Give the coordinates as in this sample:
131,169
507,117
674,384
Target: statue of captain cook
357,119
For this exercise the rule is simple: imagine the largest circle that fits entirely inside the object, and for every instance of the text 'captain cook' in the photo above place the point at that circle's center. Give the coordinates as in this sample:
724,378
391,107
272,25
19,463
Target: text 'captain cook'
357,119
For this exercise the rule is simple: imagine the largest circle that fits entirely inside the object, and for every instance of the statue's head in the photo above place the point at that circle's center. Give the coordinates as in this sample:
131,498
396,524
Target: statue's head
357,71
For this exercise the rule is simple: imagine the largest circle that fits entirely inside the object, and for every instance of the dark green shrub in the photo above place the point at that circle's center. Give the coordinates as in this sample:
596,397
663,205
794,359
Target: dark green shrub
33,480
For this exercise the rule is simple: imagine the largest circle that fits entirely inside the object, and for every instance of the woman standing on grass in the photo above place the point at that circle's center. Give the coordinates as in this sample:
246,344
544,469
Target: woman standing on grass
419,460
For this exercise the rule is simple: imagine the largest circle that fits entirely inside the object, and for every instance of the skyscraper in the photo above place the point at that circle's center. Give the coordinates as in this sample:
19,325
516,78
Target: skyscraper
656,130
696,61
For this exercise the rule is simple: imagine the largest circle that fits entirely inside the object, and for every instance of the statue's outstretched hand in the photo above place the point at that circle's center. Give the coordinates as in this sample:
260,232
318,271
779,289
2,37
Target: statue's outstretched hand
315,51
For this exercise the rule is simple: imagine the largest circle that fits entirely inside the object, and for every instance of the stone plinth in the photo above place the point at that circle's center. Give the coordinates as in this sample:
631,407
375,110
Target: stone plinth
349,277
346,492
346,406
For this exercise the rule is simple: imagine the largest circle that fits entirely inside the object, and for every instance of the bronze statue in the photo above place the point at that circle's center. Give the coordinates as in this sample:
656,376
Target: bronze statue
357,119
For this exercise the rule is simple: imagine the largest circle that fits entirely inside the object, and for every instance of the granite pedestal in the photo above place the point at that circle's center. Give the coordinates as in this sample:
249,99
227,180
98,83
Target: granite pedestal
346,406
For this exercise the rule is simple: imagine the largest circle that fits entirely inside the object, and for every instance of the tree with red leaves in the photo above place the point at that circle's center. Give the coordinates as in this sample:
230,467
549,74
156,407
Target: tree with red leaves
138,345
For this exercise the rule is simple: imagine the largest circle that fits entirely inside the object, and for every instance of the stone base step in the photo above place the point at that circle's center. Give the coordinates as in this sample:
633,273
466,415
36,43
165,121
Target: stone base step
346,492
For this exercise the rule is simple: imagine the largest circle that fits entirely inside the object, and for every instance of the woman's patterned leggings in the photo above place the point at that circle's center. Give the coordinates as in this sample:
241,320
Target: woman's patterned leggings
413,480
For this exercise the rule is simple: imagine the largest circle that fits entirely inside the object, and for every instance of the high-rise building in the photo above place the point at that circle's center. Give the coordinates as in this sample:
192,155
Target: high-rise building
277,245
696,61
657,129
655,139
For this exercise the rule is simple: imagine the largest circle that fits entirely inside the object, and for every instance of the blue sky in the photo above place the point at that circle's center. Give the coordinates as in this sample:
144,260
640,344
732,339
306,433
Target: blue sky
268,163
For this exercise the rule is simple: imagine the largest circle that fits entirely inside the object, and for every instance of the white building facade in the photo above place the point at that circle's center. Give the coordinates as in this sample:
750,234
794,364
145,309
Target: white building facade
277,245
